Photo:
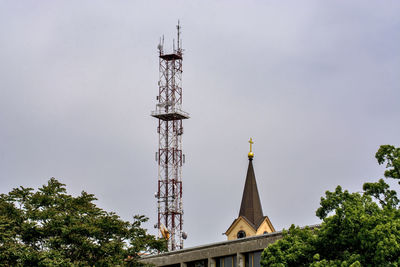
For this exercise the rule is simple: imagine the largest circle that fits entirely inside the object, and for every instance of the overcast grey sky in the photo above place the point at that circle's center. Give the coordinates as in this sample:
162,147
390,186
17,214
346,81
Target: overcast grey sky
315,83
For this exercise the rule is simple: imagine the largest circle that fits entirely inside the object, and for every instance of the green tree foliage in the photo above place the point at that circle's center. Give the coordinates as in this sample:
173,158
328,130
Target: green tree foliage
357,229
51,228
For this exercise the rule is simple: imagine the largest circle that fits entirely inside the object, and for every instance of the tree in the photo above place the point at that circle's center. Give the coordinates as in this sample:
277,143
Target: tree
357,229
51,228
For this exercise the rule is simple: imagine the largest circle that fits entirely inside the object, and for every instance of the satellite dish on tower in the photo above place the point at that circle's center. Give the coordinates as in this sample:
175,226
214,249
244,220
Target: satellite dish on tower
184,235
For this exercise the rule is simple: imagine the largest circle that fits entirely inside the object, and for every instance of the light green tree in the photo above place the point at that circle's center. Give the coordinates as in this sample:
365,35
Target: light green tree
48,227
357,229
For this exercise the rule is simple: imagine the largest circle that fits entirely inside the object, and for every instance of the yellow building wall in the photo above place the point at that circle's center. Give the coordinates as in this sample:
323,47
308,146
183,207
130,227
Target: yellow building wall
240,224
264,227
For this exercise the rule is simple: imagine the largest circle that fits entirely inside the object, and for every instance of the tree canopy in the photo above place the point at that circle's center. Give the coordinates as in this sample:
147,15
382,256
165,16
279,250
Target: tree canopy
48,227
357,229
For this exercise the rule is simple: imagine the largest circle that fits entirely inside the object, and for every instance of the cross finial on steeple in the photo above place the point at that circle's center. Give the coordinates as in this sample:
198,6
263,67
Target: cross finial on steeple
251,154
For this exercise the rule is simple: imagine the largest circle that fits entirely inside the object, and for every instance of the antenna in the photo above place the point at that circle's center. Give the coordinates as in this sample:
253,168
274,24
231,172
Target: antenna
178,27
159,47
169,156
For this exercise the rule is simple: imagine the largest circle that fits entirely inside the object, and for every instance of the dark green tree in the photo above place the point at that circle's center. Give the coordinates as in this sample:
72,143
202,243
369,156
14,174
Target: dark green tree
357,229
48,227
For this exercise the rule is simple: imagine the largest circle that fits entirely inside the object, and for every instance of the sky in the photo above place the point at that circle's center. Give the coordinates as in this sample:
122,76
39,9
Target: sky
314,83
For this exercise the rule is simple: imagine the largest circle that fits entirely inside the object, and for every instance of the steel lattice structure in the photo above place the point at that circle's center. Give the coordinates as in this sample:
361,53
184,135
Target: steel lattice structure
169,156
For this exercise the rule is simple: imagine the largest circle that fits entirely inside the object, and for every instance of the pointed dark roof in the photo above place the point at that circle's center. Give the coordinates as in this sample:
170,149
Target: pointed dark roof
251,205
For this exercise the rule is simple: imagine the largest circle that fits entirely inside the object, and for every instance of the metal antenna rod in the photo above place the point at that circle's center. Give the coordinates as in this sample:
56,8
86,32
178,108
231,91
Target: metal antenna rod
178,27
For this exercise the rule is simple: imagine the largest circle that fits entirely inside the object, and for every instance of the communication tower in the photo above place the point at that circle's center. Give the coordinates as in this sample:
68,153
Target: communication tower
169,155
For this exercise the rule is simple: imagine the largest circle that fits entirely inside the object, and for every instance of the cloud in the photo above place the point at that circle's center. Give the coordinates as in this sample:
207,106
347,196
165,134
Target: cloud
315,84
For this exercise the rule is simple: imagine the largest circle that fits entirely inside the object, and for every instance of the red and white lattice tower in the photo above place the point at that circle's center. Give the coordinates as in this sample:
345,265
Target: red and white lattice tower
169,156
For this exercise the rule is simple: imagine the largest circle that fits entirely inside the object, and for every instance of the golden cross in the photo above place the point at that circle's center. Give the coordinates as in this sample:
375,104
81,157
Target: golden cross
251,142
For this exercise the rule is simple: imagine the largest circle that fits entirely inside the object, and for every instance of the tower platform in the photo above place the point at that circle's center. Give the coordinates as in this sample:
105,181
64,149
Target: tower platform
173,56
175,114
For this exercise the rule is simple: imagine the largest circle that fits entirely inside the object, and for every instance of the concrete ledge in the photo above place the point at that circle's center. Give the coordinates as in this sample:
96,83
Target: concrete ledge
214,250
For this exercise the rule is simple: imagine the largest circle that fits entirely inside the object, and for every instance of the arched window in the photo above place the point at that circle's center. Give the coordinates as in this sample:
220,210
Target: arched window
241,234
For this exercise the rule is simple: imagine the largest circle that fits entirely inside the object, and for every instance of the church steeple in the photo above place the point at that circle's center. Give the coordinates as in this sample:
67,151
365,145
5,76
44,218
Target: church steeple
251,220
251,205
